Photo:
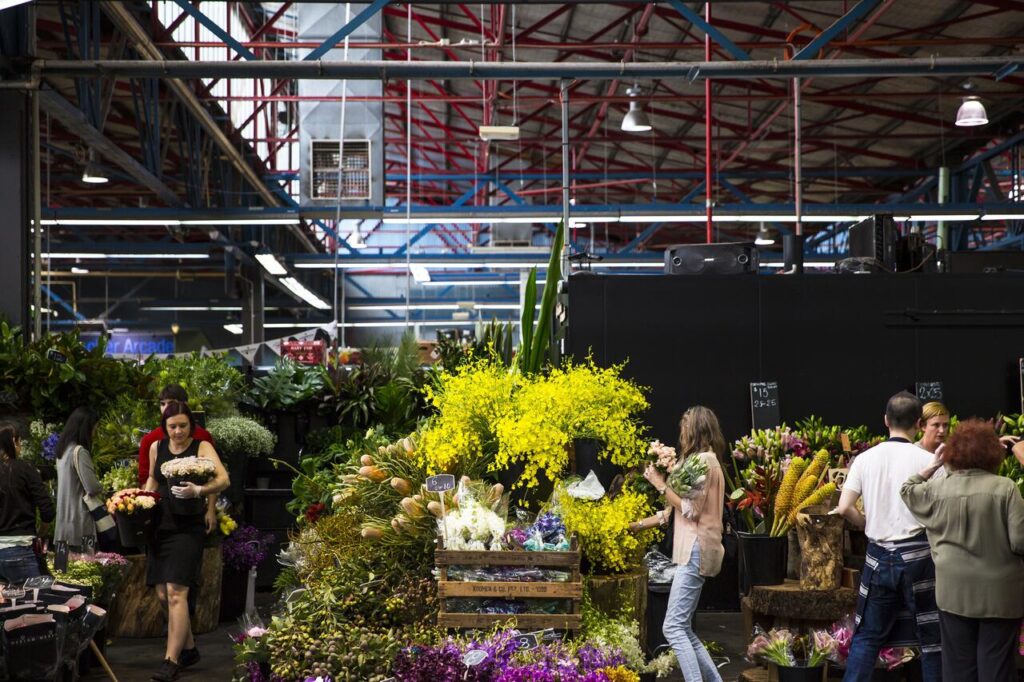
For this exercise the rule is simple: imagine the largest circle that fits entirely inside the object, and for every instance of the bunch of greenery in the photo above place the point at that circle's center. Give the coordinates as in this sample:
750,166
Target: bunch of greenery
537,346
317,474
241,436
385,390
120,430
211,383
36,382
288,386
582,400
121,477
495,342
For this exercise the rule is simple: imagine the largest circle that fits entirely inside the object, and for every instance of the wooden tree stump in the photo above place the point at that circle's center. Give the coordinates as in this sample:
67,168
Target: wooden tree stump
611,594
821,551
137,612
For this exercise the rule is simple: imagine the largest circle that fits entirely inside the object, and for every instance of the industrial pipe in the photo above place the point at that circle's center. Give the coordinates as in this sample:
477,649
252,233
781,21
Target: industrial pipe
384,70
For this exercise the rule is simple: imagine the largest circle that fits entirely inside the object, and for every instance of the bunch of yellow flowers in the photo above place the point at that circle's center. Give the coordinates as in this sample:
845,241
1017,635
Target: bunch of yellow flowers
574,401
470,402
620,674
602,527
226,524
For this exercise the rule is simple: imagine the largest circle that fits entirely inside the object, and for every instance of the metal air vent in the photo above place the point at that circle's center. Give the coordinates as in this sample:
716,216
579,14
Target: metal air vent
355,169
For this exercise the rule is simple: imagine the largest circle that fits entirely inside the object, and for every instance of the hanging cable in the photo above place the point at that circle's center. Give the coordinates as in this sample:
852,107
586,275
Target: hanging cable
341,178
408,168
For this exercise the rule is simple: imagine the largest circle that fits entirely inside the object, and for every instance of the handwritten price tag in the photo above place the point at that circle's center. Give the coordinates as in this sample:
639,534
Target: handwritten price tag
440,483
526,641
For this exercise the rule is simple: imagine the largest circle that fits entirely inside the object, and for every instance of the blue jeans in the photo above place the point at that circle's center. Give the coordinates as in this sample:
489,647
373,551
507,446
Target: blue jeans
17,564
694,660
891,591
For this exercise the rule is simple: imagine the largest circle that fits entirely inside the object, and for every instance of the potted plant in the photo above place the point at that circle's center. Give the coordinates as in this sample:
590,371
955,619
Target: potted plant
134,512
198,470
770,493
798,659
238,439
243,550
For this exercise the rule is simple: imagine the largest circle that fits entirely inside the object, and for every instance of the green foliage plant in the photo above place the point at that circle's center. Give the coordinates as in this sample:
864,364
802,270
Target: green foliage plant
37,383
289,386
535,343
212,384
120,430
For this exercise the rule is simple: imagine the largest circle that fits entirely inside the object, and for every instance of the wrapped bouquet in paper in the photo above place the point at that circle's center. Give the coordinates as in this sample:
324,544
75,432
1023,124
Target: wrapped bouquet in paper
688,478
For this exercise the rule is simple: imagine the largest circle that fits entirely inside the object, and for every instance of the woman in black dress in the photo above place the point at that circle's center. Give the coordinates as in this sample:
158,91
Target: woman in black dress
174,559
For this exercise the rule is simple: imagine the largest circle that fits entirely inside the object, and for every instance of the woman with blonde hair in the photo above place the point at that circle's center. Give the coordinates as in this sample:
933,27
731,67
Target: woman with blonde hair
934,425
697,539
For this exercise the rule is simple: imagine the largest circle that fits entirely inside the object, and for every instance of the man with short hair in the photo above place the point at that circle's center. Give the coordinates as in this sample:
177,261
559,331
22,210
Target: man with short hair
896,603
169,394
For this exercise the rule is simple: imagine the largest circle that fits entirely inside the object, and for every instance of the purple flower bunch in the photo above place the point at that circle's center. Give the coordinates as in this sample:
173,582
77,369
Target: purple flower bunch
245,548
537,673
50,447
444,662
549,526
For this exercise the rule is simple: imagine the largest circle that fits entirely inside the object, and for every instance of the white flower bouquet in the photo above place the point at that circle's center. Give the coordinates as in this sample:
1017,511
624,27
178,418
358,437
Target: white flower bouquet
194,469
198,470
688,477
472,526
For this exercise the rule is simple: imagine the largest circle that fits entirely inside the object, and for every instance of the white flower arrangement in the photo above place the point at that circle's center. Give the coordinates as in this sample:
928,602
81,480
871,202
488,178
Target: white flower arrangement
241,436
473,527
188,467
130,500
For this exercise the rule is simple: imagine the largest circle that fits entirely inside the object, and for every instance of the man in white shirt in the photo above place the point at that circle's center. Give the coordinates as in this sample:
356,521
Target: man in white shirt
896,603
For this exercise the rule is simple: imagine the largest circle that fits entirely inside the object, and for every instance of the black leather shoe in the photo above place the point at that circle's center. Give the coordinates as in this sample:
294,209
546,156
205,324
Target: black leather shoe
168,671
188,657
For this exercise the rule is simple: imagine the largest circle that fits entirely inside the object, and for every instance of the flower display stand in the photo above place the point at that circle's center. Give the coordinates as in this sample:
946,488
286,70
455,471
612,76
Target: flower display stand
788,605
771,674
571,591
137,612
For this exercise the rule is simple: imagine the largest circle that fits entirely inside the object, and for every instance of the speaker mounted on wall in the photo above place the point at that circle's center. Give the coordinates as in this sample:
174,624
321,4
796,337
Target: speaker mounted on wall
732,258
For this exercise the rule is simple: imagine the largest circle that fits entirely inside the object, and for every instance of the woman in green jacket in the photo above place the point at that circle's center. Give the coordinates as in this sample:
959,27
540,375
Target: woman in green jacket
975,524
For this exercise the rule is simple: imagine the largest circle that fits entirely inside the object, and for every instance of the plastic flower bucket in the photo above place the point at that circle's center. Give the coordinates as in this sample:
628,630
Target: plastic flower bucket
135,529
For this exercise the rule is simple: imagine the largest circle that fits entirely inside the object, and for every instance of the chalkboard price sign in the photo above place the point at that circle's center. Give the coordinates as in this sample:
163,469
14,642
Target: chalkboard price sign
764,404
57,356
60,556
526,641
440,483
929,391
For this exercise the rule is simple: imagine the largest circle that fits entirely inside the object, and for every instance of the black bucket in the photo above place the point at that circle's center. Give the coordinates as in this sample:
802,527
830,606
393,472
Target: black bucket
762,560
801,673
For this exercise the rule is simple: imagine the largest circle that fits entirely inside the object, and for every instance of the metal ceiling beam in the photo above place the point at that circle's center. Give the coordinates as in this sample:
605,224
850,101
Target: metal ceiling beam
122,17
72,118
383,70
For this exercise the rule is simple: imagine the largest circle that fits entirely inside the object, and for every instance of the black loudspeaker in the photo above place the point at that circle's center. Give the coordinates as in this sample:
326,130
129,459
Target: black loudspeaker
875,238
737,258
984,262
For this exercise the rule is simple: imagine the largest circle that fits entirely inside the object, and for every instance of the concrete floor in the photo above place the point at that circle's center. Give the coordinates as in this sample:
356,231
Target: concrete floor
134,660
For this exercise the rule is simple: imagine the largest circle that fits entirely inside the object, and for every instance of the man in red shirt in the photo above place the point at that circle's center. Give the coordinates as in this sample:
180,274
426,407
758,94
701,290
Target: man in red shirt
171,393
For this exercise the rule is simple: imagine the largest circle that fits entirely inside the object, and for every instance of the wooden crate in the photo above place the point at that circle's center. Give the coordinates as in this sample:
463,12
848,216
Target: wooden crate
571,591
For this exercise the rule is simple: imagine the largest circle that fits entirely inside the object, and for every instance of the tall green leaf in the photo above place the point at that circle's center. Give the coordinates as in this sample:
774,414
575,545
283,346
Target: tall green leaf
526,321
542,337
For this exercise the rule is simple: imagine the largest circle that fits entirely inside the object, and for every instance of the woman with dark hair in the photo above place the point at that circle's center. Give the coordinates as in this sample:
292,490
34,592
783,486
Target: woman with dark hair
78,489
22,494
174,559
975,524
697,539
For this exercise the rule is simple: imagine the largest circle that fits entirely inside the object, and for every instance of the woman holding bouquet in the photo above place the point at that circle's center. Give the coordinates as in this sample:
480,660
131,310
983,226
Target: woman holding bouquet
175,557
694,491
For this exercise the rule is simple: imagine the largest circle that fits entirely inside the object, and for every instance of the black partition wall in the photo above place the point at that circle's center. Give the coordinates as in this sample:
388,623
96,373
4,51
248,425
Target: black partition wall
838,345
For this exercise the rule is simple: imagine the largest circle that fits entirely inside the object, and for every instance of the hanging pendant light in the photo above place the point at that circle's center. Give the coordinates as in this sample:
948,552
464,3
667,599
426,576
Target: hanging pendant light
764,237
92,173
971,113
635,120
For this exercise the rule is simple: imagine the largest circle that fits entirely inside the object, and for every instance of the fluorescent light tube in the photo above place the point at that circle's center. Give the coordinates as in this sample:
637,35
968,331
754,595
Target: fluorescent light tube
103,256
79,271
474,283
951,217
420,274
297,288
271,264
832,218
191,309
1003,216
234,328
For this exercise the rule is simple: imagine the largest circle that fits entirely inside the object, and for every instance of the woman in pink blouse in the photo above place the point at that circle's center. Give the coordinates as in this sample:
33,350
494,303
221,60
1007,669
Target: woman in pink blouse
697,540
